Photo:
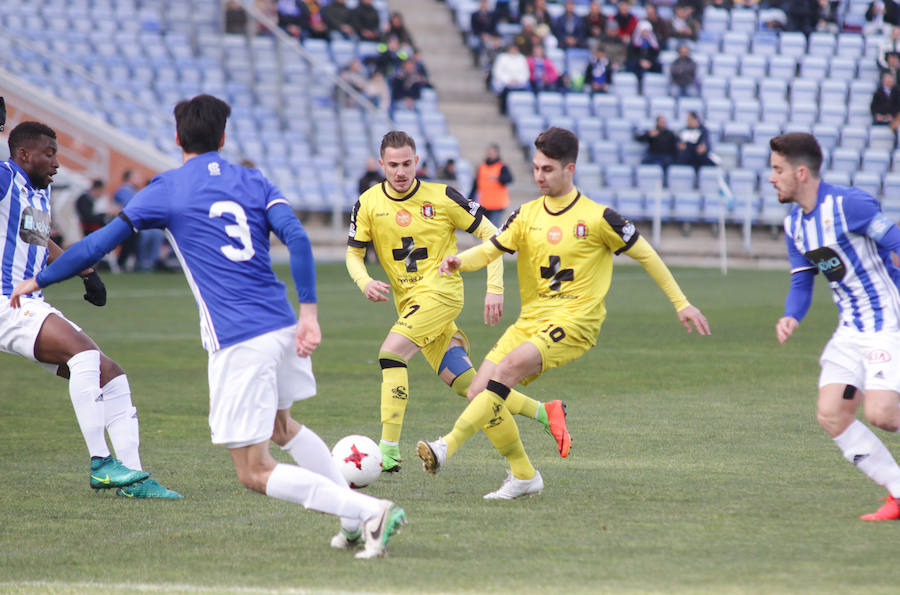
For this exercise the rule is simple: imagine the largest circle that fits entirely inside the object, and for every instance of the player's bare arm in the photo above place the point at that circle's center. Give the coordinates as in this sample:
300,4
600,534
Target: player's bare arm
785,327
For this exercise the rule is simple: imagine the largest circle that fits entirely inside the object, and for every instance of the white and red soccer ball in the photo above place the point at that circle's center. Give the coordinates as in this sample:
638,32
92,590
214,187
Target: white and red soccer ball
359,460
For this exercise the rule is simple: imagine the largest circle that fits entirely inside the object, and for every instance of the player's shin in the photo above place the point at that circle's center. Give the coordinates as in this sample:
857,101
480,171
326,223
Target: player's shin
862,447
120,417
315,492
394,395
476,415
84,390
504,435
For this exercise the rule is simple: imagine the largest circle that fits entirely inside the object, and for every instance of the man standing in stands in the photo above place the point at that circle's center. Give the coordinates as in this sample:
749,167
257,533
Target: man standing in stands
490,187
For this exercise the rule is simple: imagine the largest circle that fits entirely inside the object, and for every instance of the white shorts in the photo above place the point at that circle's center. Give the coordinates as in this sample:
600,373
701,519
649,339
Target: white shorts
19,327
249,381
868,361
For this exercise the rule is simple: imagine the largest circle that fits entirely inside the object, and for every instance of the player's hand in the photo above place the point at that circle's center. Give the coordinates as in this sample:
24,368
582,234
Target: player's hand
449,266
377,291
493,308
785,327
309,335
692,315
23,288
94,289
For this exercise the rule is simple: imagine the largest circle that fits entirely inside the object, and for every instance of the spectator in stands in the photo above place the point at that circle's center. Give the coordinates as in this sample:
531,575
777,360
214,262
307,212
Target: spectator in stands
828,16
773,19
236,18
643,51
448,171
123,194
886,100
889,46
539,11
693,143
389,57
85,206
503,11
721,4
893,62
293,17
371,176
625,21
684,25
366,21
406,86
542,72
490,187
482,31
803,15
881,17
683,74
491,50
527,38
662,28
339,18
397,28
355,75
613,45
662,144
570,29
595,23
598,75
377,90
510,73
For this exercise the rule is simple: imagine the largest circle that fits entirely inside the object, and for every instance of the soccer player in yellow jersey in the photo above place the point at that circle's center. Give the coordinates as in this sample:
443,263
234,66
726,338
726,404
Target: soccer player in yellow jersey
566,244
412,226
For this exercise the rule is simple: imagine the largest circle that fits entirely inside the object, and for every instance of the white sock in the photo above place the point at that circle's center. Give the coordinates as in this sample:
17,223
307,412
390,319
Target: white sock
122,422
315,492
863,448
84,390
311,452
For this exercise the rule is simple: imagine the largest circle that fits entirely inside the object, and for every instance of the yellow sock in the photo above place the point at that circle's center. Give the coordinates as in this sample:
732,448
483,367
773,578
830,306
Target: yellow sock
461,383
519,404
476,414
504,435
394,395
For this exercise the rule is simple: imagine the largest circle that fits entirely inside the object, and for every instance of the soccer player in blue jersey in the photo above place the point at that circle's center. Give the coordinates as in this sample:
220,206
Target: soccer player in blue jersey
218,217
842,233
98,387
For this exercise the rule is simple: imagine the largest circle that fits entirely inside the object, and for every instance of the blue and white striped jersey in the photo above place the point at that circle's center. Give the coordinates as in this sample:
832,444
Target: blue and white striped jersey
24,227
840,239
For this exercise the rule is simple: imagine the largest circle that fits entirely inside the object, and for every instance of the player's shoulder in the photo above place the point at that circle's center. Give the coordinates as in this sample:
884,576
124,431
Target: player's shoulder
6,175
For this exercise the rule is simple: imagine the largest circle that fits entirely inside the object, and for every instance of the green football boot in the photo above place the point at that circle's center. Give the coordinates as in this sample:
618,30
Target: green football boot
107,472
390,457
149,488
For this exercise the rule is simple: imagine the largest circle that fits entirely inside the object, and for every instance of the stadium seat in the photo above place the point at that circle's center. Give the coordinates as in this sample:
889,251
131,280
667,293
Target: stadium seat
754,157
792,43
843,67
634,109
836,177
743,21
813,66
827,134
718,110
754,66
747,111
737,132
849,45
783,67
742,88
764,43
764,131
833,113
689,104
891,187
882,138
625,84
715,20
773,90
735,43
803,112
606,105
804,89
868,181
821,43
589,175
682,179
619,176
714,87
606,152
630,203
727,154
619,130
578,105
845,160
724,65
876,160
550,103
589,129
854,137
687,207
775,112
520,103
833,91
662,106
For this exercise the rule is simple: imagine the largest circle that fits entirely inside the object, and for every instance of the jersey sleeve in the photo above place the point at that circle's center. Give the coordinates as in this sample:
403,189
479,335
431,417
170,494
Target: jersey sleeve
360,233
469,214
507,239
618,233
860,209
798,261
150,207
6,176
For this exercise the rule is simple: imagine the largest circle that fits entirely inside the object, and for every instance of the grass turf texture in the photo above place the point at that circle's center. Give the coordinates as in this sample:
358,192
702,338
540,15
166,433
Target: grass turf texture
696,463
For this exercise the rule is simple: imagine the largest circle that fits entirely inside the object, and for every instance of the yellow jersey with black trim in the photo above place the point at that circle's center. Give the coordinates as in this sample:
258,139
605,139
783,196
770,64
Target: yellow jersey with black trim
565,259
411,235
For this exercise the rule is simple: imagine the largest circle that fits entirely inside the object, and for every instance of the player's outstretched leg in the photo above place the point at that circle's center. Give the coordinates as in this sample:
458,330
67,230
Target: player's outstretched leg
394,396
107,472
379,530
889,511
513,487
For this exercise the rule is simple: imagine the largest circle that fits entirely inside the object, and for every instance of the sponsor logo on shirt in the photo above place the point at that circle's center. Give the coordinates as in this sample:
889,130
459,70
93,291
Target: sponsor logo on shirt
879,356
214,169
828,262
35,226
554,235
403,218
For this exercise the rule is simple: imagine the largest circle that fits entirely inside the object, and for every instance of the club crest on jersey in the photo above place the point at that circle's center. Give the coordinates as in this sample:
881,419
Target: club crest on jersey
879,356
428,210
581,230
554,235
403,218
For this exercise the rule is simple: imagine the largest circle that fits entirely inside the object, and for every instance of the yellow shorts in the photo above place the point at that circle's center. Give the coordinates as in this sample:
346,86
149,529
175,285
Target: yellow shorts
430,324
559,341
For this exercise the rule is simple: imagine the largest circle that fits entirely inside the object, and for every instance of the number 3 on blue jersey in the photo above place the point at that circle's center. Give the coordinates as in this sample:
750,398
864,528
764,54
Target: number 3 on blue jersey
240,231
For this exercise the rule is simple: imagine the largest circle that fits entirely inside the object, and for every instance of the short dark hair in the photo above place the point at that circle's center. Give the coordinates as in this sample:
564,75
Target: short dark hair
799,148
126,175
397,139
26,134
200,123
97,184
558,143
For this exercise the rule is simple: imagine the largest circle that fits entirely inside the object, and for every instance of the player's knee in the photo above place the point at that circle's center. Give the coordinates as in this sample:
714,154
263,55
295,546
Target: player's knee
109,369
883,416
251,478
833,421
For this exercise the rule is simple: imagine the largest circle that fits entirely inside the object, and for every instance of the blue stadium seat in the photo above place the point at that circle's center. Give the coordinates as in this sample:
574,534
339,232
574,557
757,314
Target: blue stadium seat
754,65
735,43
589,130
625,84
589,175
845,160
578,105
804,89
606,105
833,91
520,103
649,178
849,45
843,67
742,88
634,109
682,179
662,106
724,65
783,67
746,110
737,132
718,110
619,176
775,112
792,43
632,152
715,20
854,137
876,160
814,66
804,113
882,138
630,204
827,134
764,43
550,103
837,177
618,130
606,152
654,84
689,104
833,113
743,21
891,187
868,181
714,87
754,157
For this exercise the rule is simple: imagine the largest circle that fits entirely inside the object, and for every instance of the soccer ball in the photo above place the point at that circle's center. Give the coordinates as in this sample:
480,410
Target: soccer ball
359,460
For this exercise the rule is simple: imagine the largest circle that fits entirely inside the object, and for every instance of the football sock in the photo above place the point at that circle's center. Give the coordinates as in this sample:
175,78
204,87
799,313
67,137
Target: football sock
315,492
863,448
311,452
520,404
504,435
461,383
484,407
84,390
121,421
394,395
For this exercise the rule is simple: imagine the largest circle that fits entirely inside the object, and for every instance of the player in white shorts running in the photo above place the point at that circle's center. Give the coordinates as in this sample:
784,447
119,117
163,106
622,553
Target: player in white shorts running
842,233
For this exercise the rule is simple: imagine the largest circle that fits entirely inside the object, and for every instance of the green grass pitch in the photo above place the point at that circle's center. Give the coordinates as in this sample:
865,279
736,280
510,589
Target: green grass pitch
696,464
